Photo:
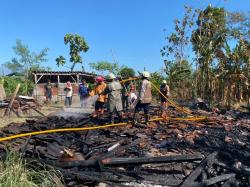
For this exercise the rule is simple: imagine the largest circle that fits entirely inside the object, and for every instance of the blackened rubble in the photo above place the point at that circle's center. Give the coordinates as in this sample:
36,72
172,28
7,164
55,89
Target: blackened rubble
215,151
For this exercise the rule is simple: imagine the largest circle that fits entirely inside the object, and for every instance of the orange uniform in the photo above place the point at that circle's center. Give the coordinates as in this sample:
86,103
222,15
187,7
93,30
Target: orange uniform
99,89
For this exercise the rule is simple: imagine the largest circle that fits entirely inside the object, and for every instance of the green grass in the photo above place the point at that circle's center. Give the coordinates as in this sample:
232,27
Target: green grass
15,172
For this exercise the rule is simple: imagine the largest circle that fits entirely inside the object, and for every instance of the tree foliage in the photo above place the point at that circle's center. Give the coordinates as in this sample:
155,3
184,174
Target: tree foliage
221,47
127,72
178,40
103,67
25,62
60,61
175,55
207,39
77,44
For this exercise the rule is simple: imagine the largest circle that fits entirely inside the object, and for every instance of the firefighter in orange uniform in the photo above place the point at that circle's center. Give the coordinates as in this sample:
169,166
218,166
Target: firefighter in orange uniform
102,97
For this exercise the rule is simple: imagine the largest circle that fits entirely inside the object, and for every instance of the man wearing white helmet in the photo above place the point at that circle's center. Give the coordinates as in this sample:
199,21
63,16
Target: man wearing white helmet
145,98
165,92
114,98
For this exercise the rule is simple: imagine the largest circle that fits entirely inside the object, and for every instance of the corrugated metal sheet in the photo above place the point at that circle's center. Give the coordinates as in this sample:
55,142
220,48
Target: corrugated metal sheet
63,73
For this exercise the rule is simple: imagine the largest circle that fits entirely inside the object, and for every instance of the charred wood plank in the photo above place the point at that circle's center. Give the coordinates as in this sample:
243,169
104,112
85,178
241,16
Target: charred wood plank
151,160
213,180
196,173
133,161
229,183
242,171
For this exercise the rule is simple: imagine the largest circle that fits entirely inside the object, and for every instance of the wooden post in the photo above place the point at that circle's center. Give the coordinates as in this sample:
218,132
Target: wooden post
35,78
58,87
7,111
77,78
36,85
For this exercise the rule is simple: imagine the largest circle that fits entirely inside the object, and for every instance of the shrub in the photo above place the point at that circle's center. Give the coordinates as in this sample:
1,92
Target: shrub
14,171
10,84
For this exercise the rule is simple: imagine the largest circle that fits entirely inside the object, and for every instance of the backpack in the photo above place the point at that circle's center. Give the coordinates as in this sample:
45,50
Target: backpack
83,90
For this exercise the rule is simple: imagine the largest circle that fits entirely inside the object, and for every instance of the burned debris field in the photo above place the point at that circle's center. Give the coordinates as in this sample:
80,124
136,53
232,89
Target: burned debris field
211,152
125,93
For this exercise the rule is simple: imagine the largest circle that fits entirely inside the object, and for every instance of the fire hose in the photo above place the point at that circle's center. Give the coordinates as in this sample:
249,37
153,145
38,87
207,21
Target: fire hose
172,103
89,128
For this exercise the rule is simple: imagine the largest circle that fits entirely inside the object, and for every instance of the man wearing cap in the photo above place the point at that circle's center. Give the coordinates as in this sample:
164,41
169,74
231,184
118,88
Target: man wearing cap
114,98
99,90
165,92
144,99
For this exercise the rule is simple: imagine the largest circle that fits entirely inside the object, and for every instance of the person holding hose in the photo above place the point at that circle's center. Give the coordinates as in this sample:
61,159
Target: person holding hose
100,91
144,99
165,93
113,90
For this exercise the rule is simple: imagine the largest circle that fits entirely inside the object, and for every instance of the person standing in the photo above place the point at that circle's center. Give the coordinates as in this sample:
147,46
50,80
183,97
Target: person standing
100,91
68,94
48,91
83,92
144,99
132,96
165,93
125,97
113,90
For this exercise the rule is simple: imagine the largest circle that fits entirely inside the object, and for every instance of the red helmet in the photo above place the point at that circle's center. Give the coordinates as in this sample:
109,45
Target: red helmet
99,79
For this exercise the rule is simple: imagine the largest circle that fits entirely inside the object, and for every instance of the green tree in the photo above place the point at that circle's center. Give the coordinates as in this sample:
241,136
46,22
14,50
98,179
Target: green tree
26,61
209,37
177,41
14,66
127,72
156,78
77,45
175,54
180,78
60,61
105,67
233,69
238,24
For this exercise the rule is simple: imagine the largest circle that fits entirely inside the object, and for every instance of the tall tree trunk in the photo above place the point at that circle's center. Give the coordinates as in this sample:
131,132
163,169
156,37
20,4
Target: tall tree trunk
207,91
73,66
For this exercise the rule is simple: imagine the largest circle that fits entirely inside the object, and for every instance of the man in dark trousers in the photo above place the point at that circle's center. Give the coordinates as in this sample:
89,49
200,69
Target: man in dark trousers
83,93
48,91
125,97
165,93
144,99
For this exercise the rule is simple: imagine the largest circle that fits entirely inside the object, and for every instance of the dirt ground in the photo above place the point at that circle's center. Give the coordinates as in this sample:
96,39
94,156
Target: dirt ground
46,109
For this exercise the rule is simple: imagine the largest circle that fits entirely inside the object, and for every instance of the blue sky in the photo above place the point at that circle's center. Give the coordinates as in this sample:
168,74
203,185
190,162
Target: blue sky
132,29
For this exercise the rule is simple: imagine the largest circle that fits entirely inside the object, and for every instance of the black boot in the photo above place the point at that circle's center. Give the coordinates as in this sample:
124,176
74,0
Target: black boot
111,118
146,116
120,117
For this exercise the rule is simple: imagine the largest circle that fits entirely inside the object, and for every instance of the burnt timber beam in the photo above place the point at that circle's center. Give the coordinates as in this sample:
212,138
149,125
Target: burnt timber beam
213,180
196,173
133,161
151,160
